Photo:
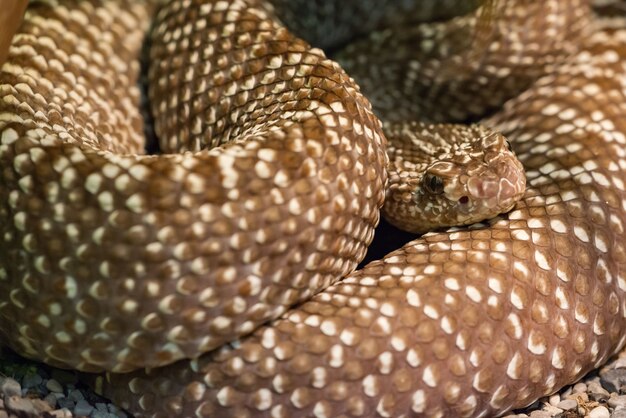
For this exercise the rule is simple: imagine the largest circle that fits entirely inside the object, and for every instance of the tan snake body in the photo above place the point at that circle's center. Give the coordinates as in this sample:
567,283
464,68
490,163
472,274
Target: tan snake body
465,323
121,203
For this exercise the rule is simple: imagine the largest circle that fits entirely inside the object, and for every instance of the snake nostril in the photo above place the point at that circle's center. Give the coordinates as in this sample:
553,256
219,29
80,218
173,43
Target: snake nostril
464,200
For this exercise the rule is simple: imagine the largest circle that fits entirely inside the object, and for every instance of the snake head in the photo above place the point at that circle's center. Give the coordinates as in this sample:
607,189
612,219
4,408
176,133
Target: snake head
470,181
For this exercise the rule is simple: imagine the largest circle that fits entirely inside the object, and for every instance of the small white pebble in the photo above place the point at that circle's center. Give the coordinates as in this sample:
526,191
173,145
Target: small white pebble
553,410
555,399
567,404
599,412
10,387
620,363
582,397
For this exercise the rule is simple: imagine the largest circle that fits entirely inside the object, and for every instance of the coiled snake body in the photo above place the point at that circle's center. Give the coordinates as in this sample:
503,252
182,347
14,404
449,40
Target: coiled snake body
106,262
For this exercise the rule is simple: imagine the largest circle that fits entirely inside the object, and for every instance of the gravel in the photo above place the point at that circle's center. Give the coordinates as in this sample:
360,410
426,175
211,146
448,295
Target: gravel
600,394
29,389
9,387
613,380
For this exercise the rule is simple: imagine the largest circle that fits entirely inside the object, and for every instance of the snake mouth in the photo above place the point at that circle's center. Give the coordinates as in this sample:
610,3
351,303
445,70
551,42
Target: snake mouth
501,185
495,191
483,188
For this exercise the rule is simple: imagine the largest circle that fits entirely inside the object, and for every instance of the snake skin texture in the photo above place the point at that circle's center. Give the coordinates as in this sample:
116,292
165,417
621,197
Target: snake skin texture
469,322
445,72
118,243
463,323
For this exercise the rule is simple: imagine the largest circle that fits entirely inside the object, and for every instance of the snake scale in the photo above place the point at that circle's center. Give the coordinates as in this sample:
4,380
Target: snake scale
106,263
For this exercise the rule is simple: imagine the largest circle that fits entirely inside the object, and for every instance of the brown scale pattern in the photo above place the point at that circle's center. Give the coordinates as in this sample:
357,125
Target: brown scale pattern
463,323
106,262
464,68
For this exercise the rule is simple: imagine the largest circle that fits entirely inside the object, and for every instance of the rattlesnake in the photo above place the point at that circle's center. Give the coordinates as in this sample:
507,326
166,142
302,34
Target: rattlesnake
107,250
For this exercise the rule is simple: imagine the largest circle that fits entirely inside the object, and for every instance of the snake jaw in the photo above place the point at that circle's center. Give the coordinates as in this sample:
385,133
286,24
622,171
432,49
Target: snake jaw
500,189
498,182
512,184
483,188
496,190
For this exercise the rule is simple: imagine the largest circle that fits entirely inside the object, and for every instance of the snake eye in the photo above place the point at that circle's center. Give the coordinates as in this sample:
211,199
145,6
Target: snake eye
508,145
433,184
